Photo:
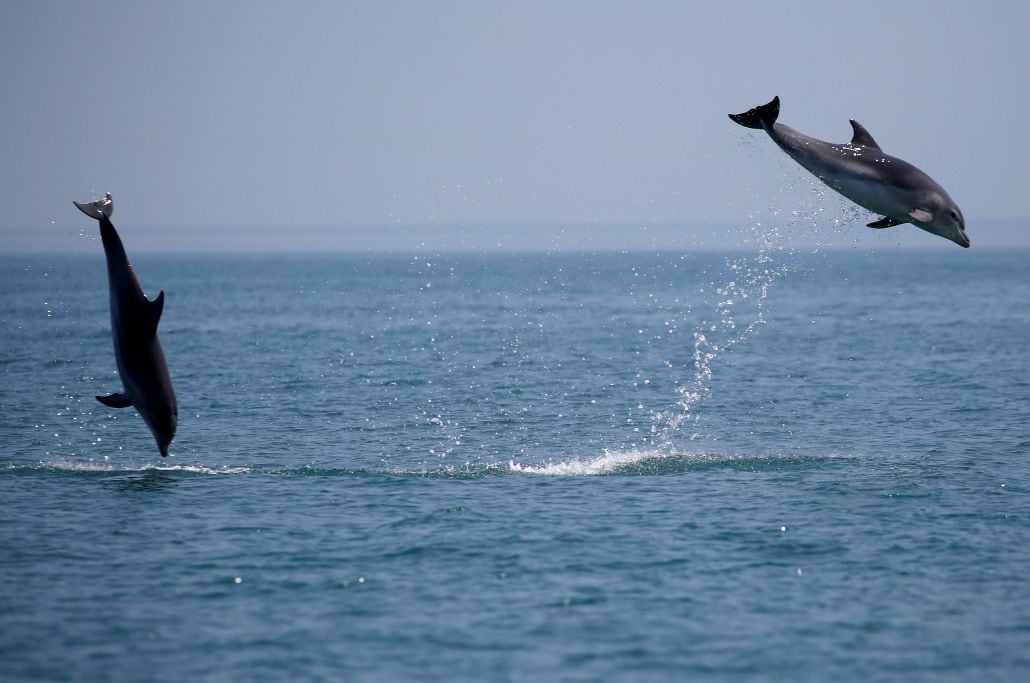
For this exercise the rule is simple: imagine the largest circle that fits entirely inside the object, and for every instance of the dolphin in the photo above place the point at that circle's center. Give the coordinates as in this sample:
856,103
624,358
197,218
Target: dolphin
863,173
141,361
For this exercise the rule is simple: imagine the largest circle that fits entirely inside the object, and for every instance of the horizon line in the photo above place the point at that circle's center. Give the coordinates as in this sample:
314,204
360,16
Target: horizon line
500,237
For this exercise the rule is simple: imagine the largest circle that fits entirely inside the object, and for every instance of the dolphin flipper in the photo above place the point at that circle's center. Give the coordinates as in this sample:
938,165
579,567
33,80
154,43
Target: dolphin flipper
885,222
762,116
97,208
116,401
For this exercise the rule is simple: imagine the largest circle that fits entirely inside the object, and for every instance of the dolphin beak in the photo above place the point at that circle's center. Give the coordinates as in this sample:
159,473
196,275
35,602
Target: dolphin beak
962,240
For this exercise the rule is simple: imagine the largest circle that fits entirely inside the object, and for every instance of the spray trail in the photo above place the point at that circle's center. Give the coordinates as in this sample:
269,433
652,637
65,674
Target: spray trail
819,220
738,309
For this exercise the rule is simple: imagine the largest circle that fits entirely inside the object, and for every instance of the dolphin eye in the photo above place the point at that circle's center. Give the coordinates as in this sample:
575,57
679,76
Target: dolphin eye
954,216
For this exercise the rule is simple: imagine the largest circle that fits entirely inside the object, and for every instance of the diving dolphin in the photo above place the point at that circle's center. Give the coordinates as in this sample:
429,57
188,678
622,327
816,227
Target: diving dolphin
141,361
860,171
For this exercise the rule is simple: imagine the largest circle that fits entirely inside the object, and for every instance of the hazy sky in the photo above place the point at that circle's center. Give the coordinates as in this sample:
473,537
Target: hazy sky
240,125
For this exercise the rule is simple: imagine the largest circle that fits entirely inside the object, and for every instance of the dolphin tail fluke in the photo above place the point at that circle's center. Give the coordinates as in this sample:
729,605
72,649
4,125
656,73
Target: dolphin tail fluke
98,208
762,116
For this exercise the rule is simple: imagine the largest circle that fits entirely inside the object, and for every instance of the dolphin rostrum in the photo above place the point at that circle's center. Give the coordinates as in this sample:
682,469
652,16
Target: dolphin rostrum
863,173
141,361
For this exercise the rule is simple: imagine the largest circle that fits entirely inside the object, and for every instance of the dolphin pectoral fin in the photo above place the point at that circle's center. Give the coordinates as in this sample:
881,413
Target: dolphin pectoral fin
921,215
885,222
116,401
862,138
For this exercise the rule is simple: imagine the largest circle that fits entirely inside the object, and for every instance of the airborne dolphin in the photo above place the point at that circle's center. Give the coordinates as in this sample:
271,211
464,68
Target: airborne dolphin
860,171
141,361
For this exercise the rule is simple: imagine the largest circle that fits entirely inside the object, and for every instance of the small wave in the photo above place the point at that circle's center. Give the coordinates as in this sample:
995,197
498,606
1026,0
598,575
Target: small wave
659,462
635,462
96,467
198,469
632,462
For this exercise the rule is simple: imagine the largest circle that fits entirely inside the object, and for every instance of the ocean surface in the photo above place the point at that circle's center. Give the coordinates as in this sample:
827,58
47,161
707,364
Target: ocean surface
763,464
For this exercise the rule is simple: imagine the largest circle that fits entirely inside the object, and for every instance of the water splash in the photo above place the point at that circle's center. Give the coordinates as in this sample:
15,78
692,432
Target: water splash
606,463
656,462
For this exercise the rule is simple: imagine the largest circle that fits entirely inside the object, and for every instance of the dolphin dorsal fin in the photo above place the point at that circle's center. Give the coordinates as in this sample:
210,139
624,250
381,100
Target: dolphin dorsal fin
862,138
156,307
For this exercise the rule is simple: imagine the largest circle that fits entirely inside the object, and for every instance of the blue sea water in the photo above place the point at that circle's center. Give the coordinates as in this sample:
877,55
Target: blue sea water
764,464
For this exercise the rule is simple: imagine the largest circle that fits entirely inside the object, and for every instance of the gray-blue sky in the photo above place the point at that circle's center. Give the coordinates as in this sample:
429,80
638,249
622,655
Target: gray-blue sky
230,124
